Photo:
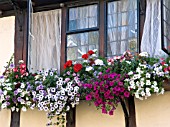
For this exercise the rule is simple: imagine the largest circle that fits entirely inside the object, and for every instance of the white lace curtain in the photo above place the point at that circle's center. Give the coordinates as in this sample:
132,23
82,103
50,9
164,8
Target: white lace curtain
151,39
44,46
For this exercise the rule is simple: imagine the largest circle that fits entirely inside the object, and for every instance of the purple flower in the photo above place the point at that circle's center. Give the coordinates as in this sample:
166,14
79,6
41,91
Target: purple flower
1,92
14,100
74,74
1,77
15,92
11,65
34,99
19,99
8,103
7,98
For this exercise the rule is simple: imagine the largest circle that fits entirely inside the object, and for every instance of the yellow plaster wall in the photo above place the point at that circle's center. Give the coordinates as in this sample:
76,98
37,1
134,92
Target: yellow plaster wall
6,50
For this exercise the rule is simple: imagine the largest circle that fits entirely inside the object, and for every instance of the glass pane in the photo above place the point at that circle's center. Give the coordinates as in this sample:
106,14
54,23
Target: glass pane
72,53
93,38
124,47
112,20
83,17
111,49
79,44
112,7
121,26
112,35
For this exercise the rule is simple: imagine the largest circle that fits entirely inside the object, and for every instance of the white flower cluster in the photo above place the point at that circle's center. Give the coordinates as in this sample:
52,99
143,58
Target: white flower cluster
98,62
55,99
143,83
15,96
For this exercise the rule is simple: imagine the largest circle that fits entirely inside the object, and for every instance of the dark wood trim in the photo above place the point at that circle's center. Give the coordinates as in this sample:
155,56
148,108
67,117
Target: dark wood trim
63,38
15,119
132,112
142,15
102,28
20,37
71,118
20,46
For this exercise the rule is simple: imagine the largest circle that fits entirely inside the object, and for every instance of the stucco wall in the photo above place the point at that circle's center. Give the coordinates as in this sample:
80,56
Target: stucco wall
154,112
6,50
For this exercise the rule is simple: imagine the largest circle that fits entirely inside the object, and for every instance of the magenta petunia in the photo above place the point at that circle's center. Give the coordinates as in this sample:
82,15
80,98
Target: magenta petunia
88,97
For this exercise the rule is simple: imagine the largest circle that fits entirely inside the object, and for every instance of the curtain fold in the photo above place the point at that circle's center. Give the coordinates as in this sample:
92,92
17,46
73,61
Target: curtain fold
151,39
44,45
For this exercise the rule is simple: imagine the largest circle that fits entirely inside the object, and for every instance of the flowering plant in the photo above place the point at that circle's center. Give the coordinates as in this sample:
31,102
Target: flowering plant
145,76
106,91
14,92
54,95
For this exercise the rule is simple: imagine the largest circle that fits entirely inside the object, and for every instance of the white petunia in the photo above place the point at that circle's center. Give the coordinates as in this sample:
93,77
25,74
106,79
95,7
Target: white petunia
4,105
5,92
89,68
13,109
19,90
148,83
148,75
24,109
22,85
17,109
128,62
142,93
156,89
9,88
130,73
98,62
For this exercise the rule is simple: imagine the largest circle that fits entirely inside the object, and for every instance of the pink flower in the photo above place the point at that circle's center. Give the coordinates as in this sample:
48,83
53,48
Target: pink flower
111,112
88,97
126,94
104,111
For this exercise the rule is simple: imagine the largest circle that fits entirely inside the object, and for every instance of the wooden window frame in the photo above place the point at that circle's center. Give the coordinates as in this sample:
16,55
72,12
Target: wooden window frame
162,29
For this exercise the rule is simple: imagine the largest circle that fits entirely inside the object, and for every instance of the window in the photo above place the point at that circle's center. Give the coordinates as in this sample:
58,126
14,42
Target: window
165,4
82,32
120,28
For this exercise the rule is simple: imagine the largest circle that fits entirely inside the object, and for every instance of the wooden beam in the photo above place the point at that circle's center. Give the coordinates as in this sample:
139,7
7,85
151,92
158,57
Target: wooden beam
19,52
102,20
63,38
132,112
142,15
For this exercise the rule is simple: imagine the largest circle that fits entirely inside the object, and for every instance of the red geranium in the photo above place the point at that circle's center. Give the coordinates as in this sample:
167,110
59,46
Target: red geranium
90,52
85,56
77,67
68,64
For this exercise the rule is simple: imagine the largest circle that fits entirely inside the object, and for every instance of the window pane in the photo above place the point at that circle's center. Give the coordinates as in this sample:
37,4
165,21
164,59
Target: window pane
121,27
79,44
83,17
